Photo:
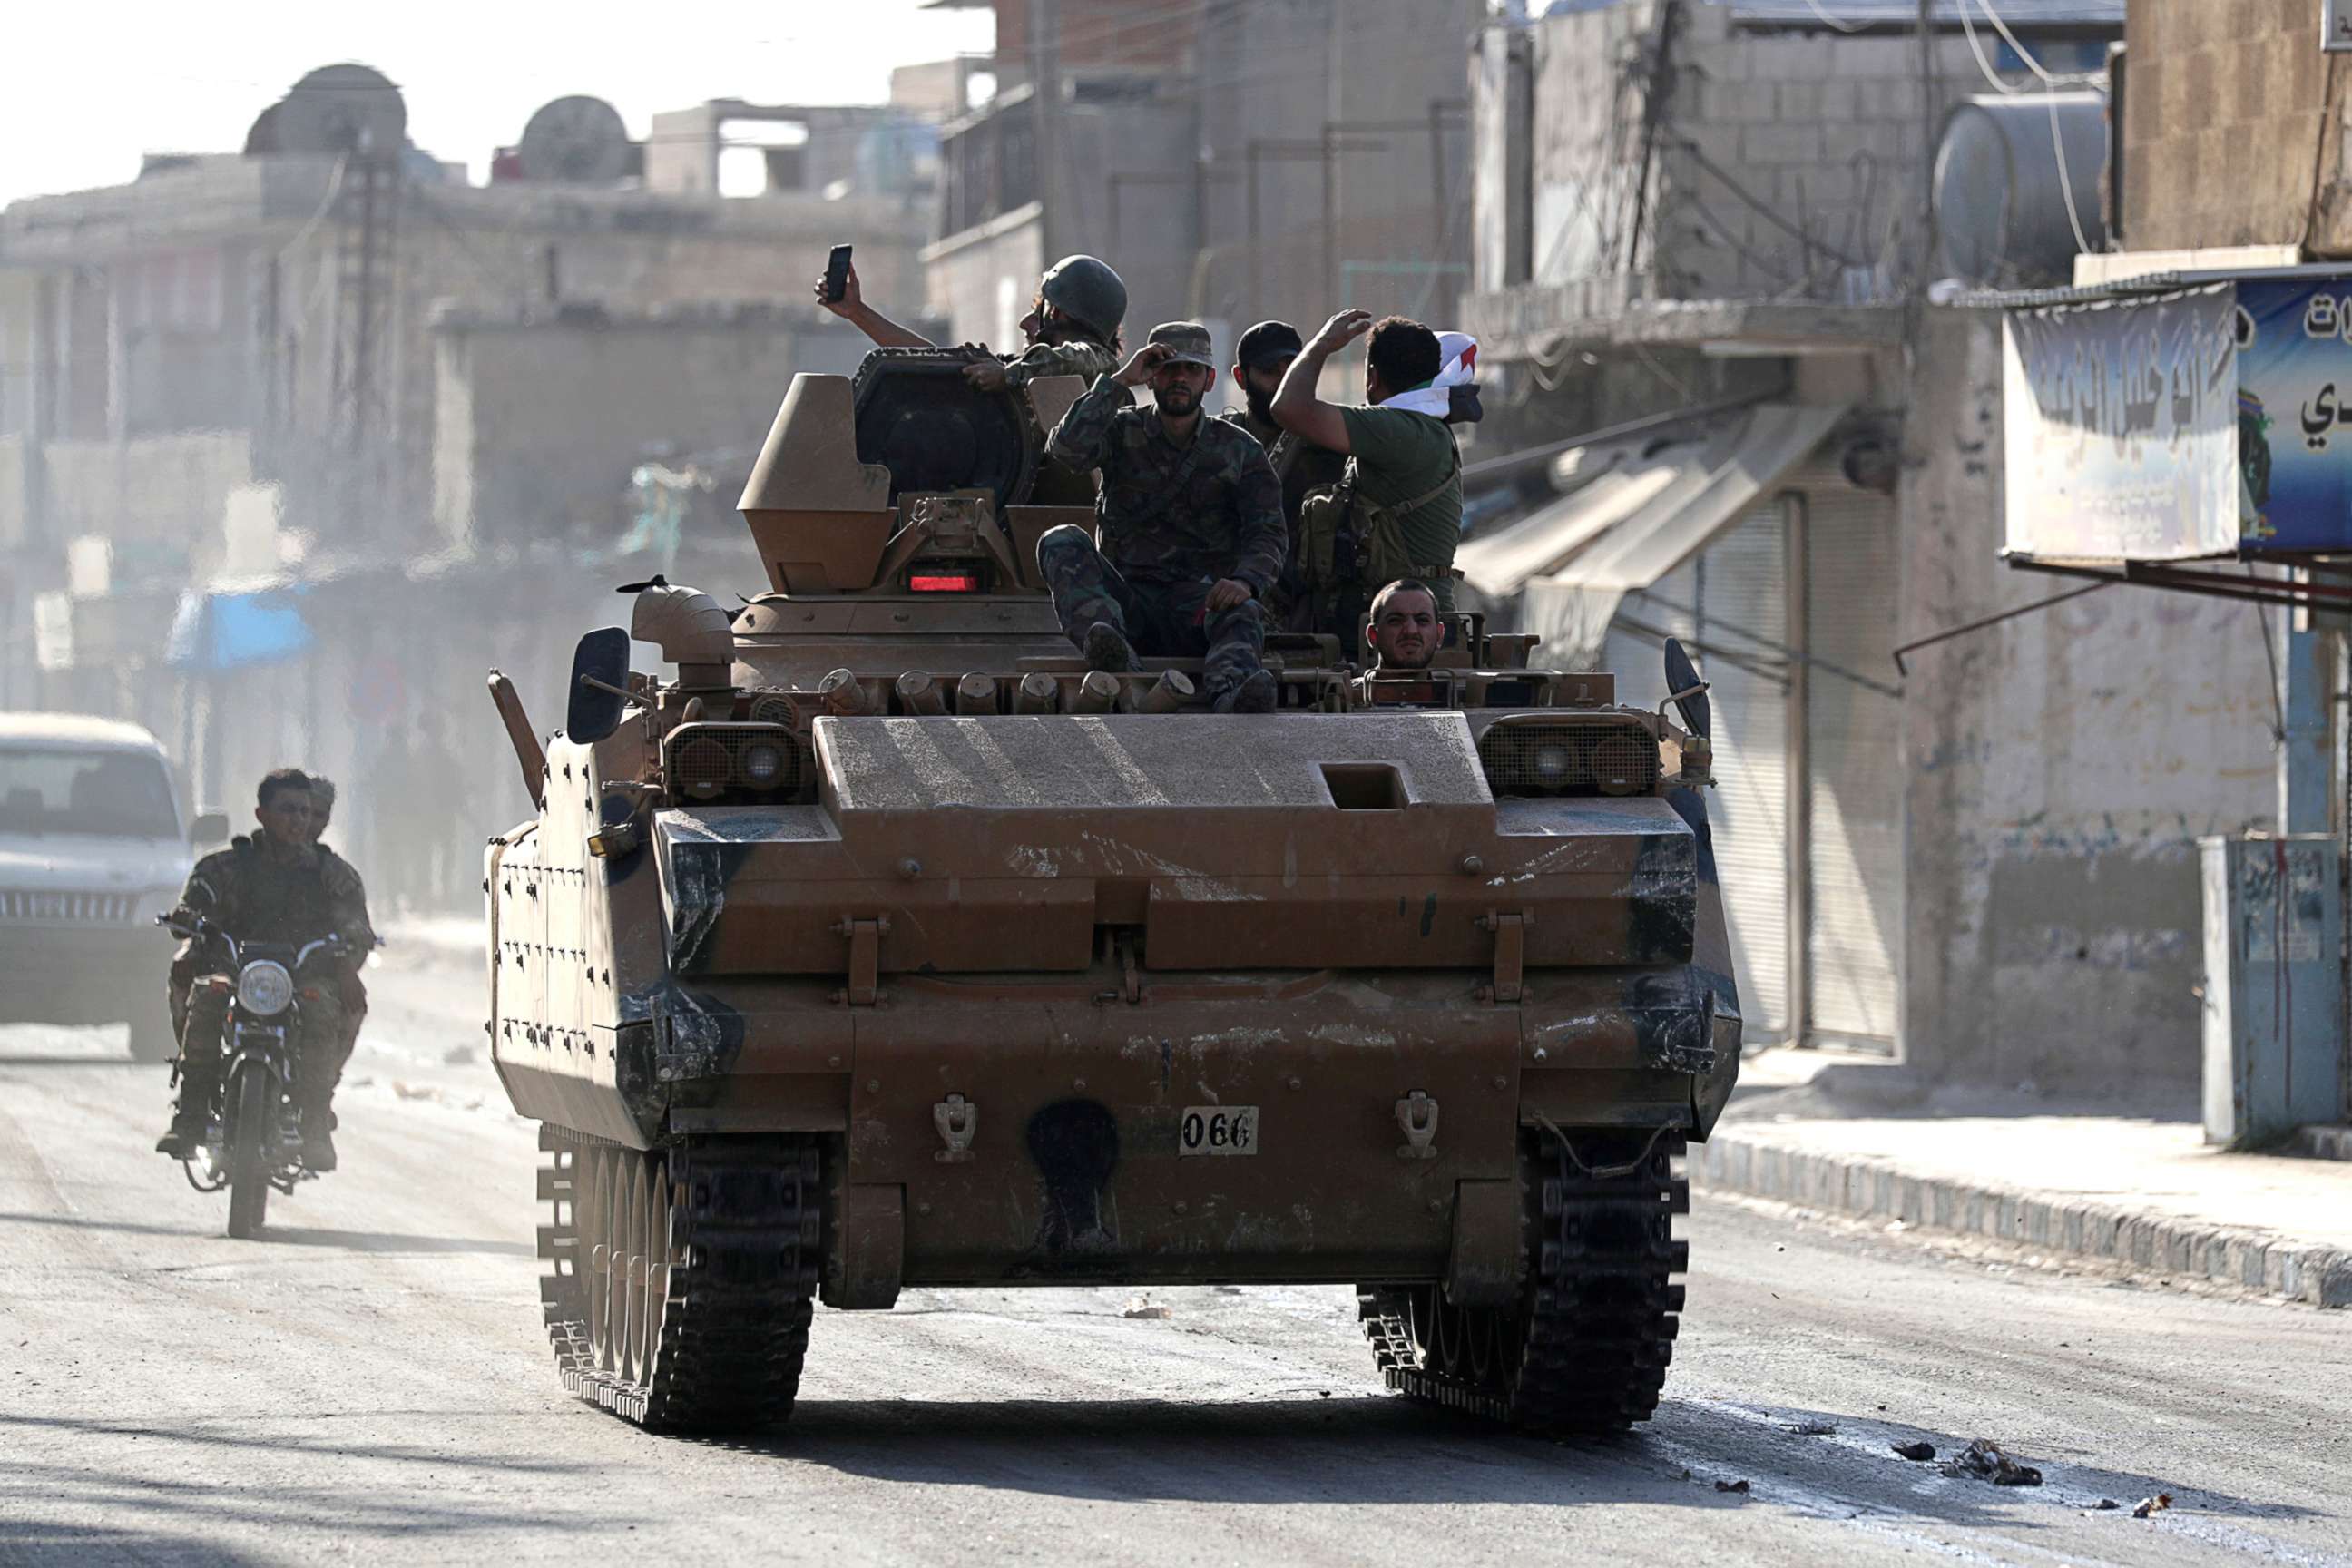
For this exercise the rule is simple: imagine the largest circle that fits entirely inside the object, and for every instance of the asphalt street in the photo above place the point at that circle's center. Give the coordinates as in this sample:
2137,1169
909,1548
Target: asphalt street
369,1382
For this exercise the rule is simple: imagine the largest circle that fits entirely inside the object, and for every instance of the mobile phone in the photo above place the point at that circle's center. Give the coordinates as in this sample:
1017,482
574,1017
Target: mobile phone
836,274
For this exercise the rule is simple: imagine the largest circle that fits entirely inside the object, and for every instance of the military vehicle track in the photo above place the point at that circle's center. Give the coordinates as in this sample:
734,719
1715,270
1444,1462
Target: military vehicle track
680,1281
1585,1351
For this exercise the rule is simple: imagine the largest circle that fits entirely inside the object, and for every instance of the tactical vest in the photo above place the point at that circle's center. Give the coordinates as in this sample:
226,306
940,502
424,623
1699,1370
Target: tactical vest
1351,546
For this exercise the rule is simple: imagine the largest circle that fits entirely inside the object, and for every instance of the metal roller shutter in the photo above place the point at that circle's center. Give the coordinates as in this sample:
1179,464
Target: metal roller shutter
1853,750
1732,602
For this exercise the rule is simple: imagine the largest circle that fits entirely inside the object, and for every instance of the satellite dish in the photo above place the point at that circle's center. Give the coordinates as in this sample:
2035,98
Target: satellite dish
335,109
577,140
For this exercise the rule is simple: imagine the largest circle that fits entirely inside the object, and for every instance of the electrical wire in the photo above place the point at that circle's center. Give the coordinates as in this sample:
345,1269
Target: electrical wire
1821,11
2051,82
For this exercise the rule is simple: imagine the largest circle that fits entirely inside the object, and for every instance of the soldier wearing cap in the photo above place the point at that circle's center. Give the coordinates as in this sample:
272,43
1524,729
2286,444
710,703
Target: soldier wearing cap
1261,357
1072,327
1189,517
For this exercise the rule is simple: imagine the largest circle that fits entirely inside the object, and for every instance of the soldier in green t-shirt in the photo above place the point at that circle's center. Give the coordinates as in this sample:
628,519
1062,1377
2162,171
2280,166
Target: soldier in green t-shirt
1404,451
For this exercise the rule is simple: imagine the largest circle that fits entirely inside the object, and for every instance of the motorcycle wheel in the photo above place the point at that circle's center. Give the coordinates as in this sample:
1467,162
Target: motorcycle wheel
252,1134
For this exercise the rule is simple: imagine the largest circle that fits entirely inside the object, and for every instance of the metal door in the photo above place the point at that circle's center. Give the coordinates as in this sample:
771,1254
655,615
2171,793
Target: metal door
1854,766
1731,602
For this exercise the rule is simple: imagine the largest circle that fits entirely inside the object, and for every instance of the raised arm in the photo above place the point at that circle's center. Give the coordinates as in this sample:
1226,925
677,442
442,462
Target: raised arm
1083,437
1080,358
851,308
1295,408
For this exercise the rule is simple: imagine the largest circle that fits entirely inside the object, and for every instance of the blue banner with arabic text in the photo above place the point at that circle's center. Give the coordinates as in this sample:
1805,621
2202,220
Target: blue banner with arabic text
2294,416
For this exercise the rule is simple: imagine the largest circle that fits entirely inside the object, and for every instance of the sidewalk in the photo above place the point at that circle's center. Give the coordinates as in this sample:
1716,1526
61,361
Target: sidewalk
2147,1193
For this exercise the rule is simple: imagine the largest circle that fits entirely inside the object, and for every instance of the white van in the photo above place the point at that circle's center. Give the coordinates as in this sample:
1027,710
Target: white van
92,848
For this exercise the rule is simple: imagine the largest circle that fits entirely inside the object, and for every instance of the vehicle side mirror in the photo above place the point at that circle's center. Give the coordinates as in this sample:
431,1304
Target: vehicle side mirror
1687,691
211,827
600,676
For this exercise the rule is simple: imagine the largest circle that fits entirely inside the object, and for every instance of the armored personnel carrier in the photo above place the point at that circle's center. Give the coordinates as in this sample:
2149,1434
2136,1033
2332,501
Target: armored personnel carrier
876,942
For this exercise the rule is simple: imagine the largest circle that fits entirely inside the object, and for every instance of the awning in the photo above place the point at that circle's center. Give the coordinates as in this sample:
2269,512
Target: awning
225,627
1636,514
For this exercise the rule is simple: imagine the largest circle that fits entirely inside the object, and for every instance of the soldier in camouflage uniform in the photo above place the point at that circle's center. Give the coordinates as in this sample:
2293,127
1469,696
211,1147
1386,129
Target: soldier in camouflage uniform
1260,361
273,886
1072,327
1190,516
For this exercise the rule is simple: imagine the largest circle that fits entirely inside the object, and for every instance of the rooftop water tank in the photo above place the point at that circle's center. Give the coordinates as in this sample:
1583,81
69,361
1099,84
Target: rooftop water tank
2002,189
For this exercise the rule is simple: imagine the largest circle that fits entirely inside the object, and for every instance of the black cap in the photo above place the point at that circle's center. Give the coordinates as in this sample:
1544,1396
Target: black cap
1266,342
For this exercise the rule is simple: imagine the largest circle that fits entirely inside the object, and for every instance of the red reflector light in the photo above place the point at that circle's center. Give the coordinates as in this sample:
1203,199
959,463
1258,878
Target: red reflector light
944,583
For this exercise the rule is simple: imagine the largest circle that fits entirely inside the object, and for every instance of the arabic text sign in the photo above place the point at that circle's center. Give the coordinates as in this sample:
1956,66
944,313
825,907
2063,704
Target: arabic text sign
2120,430
2294,413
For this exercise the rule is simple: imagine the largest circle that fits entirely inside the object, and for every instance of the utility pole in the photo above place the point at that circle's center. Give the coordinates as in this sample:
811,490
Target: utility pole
366,277
1045,116
1928,106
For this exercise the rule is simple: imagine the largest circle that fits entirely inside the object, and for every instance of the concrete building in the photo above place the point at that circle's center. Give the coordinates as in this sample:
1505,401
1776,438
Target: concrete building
1234,162
299,382
2219,98
512,465
828,151
1703,221
2213,682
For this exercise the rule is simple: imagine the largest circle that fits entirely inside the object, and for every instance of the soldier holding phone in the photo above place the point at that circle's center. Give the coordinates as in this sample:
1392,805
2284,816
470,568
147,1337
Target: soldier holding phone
1072,327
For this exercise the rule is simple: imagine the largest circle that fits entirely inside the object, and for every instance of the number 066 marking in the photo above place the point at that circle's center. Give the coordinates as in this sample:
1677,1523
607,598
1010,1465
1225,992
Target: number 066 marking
1218,1129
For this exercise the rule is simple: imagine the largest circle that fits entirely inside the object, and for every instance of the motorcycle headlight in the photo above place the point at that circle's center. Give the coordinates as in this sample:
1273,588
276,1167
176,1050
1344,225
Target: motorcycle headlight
264,988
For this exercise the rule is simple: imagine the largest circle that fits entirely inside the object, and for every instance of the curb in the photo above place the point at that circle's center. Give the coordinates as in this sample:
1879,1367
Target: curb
1852,1184
2322,1142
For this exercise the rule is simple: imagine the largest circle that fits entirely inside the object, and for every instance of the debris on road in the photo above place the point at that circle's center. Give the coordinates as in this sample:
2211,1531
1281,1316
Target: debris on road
1812,1429
1740,1487
1917,1453
1141,1307
2105,1505
2148,1505
1982,1460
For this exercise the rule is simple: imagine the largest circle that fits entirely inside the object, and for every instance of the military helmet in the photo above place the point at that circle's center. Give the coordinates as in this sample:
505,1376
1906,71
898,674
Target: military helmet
1088,292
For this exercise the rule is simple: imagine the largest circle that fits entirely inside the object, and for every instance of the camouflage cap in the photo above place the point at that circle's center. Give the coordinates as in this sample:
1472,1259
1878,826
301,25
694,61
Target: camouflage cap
1187,343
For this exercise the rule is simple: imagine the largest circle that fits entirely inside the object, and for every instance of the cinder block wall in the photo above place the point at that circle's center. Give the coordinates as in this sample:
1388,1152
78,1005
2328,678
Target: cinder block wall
1783,161
1822,128
2225,125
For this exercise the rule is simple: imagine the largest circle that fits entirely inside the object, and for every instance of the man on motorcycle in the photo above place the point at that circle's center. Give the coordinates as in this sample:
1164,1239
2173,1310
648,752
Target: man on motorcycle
337,869
273,886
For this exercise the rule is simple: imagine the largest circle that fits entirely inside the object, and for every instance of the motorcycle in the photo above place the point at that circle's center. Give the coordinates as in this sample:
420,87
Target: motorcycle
254,1137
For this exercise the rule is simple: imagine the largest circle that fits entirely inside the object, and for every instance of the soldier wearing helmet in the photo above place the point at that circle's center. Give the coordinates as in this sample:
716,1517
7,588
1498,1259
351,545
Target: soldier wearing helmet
1072,327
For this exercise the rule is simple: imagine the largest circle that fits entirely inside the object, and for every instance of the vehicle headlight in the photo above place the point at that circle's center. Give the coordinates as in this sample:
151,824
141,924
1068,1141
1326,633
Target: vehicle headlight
1551,764
763,763
264,988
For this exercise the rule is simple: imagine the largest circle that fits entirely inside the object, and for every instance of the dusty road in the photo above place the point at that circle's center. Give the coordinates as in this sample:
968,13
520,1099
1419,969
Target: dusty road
370,1384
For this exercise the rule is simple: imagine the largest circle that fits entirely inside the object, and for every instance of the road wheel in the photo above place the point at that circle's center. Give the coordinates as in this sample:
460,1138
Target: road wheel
253,1138
595,1235
1585,1348
682,1281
